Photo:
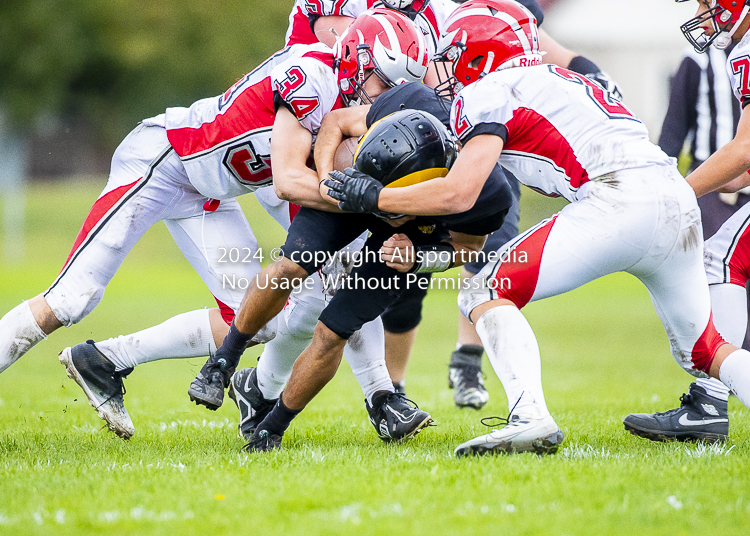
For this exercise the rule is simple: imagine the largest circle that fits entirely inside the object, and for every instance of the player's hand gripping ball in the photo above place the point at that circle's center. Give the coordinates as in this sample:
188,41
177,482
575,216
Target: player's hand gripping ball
355,191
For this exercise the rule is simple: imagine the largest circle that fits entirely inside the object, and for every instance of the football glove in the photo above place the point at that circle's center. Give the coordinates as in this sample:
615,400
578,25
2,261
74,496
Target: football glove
355,191
604,80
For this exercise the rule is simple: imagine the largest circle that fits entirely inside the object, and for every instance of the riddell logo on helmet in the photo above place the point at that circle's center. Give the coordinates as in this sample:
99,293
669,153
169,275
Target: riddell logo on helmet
528,62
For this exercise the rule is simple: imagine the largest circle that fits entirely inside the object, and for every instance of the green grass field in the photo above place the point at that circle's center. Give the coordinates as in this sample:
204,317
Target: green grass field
604,355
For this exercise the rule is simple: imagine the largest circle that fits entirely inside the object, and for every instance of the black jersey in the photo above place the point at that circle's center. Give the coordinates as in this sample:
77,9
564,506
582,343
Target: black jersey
488,213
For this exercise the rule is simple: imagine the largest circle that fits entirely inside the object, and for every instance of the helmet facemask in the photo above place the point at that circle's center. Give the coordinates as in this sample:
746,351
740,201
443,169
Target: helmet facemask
482,37
722,23
448,85
353,88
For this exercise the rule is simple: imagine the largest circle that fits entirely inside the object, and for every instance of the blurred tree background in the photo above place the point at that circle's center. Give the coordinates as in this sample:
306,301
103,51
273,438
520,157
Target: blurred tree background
106,65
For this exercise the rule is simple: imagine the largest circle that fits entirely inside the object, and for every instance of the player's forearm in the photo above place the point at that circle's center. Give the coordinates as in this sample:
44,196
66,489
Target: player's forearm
735,185
328,28
436,197
455,193
337,125
555,52
301,188
329,138
467,247
721,168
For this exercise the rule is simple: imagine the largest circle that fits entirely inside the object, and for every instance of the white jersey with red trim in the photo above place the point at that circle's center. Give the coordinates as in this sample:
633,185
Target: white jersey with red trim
224,142
738,69
560,128
300,32
431,21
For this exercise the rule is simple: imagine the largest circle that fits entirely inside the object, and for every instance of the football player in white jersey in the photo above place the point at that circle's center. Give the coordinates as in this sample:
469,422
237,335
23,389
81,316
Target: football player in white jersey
630,210
702,414
185,167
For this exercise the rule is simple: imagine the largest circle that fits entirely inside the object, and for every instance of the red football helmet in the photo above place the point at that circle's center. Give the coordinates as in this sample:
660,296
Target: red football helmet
381,42
725,17
482,36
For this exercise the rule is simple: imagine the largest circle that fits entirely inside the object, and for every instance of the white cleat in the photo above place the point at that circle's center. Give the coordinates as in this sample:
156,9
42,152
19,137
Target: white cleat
96,375
521,434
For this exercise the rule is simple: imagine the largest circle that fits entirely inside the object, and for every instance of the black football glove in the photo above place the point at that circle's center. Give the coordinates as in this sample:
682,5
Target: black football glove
604,80
355,191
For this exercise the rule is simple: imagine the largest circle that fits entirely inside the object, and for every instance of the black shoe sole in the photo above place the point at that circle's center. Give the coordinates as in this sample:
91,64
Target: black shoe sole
541,446
201,398
662,436
472,406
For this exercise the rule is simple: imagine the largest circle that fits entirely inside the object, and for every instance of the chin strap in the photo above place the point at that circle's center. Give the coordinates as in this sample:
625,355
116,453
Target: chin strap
723,41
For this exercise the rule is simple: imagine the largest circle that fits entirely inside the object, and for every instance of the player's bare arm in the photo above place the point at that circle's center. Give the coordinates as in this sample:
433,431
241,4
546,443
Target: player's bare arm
456,192
398,251
290,147
554,51
727,163
328,28
337,125
735,185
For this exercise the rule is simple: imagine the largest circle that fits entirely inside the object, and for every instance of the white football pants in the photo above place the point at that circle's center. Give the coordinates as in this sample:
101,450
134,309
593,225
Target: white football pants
642,221
147,184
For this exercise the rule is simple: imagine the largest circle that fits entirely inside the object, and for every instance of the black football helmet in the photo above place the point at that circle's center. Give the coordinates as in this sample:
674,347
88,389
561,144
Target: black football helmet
406,147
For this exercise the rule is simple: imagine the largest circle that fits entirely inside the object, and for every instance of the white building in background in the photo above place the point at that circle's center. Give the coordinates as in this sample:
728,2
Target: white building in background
638,42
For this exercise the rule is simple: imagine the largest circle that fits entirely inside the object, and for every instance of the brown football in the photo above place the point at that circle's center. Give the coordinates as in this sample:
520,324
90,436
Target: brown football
344,155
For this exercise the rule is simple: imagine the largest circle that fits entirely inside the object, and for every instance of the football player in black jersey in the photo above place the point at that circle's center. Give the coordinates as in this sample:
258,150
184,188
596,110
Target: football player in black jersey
313,231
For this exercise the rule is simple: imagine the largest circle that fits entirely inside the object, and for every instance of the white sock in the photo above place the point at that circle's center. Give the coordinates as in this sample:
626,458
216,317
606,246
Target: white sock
182,336
365,353
729,307
714,388
514,353
19,332
277,360
735,374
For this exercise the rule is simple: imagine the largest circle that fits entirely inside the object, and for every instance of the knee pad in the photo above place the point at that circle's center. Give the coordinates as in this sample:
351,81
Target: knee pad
267,333
473,293
72,307
301,316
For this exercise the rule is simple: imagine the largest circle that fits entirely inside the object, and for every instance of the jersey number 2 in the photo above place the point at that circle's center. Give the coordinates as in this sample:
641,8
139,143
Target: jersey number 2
608,104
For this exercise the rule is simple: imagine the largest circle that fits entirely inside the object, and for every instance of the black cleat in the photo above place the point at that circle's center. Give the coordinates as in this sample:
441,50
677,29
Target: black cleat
103,386
700,417
207,389
465,376
263,441
395,419
253,406
469,386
